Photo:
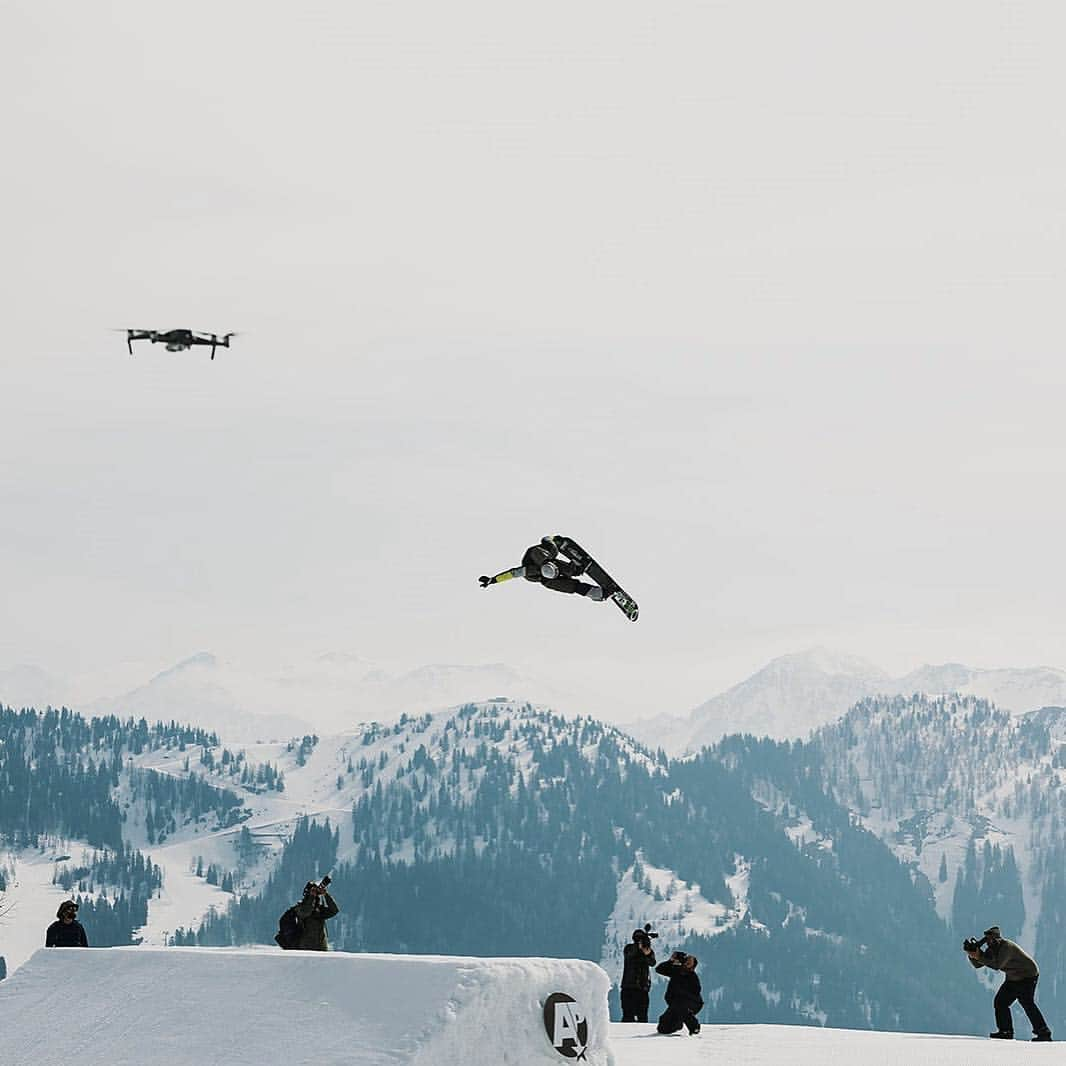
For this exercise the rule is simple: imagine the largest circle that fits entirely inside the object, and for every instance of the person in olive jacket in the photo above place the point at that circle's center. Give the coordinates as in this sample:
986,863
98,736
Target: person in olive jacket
66,931
314,910
684,997
1020,978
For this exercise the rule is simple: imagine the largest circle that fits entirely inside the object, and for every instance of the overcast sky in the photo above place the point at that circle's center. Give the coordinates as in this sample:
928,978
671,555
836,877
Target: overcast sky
762,302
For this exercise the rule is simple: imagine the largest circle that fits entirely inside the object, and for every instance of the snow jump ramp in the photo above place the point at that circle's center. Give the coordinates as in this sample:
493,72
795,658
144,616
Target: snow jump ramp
177,1006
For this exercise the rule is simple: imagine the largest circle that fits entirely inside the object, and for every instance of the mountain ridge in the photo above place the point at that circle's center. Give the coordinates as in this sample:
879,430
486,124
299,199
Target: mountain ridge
795,694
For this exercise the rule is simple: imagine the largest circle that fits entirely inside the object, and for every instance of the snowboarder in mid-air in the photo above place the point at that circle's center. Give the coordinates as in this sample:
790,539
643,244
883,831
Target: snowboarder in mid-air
557,563
542,563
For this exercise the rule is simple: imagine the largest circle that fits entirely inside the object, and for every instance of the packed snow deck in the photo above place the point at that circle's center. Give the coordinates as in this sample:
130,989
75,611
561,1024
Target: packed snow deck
794,1045
177,1006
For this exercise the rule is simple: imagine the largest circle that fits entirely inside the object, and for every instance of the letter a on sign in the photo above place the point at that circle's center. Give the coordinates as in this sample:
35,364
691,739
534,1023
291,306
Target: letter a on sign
566,1025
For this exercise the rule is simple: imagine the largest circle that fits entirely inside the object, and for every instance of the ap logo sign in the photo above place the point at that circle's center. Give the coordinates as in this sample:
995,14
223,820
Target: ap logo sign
566,1025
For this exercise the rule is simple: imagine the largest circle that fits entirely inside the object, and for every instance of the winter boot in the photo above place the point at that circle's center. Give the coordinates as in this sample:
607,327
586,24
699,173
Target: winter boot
1002,1035
1043,1037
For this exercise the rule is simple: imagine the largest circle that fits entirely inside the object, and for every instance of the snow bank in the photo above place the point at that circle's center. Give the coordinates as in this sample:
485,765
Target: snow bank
176,1006
794,1045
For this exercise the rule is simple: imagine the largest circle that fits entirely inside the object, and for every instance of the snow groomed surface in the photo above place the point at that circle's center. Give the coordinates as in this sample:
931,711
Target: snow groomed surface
797,1045
199,1006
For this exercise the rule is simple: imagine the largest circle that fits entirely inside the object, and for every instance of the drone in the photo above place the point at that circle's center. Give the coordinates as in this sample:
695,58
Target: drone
178,340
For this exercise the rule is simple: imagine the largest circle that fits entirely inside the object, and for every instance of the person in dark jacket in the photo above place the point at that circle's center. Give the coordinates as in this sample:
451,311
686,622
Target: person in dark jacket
1020,977
684,997
66,931
314,910
638,959
543,564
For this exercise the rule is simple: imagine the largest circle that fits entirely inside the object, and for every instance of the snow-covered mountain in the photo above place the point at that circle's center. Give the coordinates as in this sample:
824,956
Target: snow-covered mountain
24,685
972,797
201,690
538,834
788,697
1010,689
533,833
328,693
795,694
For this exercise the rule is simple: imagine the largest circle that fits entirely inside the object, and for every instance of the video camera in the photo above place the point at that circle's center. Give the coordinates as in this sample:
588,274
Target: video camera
645,935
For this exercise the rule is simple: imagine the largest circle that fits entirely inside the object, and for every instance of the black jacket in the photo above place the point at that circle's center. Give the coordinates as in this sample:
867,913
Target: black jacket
684,989
313,915
636,969
61,935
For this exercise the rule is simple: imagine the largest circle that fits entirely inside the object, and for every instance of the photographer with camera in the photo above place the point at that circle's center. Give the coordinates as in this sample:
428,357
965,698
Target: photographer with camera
684,997
1021,975
312,913
636,975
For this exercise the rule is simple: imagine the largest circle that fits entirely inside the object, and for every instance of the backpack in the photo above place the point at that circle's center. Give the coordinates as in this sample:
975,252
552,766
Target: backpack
288,934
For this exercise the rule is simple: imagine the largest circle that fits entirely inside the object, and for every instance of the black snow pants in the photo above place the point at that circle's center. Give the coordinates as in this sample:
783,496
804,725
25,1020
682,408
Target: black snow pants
634,1004
1024,992
567,584
674,1017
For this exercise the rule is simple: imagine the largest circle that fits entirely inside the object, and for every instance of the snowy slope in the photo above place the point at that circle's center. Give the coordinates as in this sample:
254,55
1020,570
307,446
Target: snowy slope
310,789
29,904
778,1045
932,775
269,816
188,1007
675,908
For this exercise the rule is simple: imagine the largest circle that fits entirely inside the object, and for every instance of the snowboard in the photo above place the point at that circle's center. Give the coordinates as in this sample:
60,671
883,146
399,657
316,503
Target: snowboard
577,555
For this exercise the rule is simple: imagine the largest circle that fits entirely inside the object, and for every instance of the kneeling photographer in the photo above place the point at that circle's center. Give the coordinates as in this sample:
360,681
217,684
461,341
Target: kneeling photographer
684,997
1021,975
638,958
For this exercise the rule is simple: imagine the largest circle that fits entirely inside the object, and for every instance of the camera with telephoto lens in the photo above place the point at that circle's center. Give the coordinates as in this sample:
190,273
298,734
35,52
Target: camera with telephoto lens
680,957
325,882
971,944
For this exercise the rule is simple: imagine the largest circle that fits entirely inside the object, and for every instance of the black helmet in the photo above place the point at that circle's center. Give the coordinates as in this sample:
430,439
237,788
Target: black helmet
68,905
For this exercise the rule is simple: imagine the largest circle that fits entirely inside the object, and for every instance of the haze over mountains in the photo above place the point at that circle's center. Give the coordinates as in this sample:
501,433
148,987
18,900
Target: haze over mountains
326,693
788,698
795,694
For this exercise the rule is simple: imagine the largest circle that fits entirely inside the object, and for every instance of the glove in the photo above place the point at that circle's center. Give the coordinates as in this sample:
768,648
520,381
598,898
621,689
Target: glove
484,581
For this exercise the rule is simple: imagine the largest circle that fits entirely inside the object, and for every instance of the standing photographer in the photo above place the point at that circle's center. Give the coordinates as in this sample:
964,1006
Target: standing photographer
684,997
313,911
66,931
636,975
1021,975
